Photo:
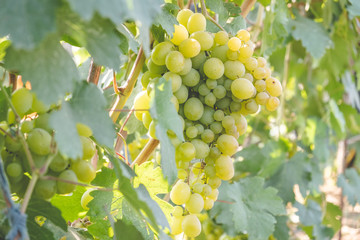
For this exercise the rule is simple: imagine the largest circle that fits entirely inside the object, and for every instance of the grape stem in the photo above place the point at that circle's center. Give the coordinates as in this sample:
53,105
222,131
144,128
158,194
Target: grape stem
94,73
13,81
206,14
146,152
180,3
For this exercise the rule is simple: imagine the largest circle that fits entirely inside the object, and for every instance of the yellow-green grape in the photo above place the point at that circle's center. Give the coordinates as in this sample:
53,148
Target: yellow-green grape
187,67
203,90
160,51
176,225
66,187
195,204
179,35
22,100
273,87
183,16
228,122
42,121
177,211
197,168
174,100
219,115
214,194
227,144
249,77
208,116
146,119
10,116
182,94
251,63
202,149
191,79
191,225
86,198
261,98
14,170
191,132
205,39
210,99
221,37
261,62
39,106
84,171
83,130
193,109
234,44
242,88
182,174
182,164
214,182
141,104
189,47
39,141
154,68
210,171
216,127
59,163
219,91
259,73
246,51
152,130
235,106
234,69
45,189
180,193
26,126
243,35
208,136
198,60
88,147
148,77
196,23
4,126
175,61
211,83
232,55
240,122
260,85
187,151
251,106
267,72
214,68
197,187
220,52
208,204
272,104
206,190
224,167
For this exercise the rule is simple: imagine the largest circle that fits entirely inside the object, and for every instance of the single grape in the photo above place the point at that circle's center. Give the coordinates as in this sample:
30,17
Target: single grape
214,68
160,51
261,98
59,163
39,141
251,106
148,77
242,88
259,73
84,130
154,68
176,225
208,136
182,174
182,94
221,37
141,104
246,51
232,55
180,193
208,204
198,60
235,106
228,122
216,127
261,62
175,101
86,198
187,67
224,167
214,153
210,99
273,87
202,149
84,171
193,109
214,182
210,171
249,77
208,116
191,132
197,187
190,48
234,69
272,104
12,144
187,151
183,16
14,170
234,44
191,225
66,187
197,168
227,144
240,122
42,121
191,79
251,63
203,89
205,39
214,194
22,100
211,83
220,52
152,130
88,147
219,115
195,204
45,189
200,128
175,61
179,35
260,85
243,35
178,211
196,23
146,119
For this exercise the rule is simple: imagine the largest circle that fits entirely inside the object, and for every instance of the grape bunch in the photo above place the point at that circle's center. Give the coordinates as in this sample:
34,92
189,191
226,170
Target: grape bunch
216,81
34,128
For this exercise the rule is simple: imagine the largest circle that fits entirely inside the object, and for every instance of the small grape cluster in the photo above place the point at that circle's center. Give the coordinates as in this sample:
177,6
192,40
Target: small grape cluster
34,128
216,82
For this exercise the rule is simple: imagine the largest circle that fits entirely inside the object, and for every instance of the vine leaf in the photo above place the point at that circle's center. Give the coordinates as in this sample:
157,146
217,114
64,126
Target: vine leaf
86,106
27,22
354,8
310,214
166,118
123,230
49,68
166,19
350,183
242,205
99,229
236,24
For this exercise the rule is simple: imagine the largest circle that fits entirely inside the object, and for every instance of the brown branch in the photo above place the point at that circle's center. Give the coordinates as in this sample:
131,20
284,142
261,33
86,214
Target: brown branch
13,81
246,7
94,73
146,152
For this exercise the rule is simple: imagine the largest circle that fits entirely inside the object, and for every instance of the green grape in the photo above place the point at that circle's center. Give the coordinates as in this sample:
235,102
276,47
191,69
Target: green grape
208,116
179,35
187,67
190,48
182,174
88,147
240,122
208,136
178,211
214,68
197,168
267,72
249,77
227,84
242,88
191,132
181,164
202,149
203,89
141,102
211,83
42,121
38,106
66,187
232,55
191,79
182,94
205,39
260,85
219,92
251,63
234,44
234,69
246,51
197,187
84,171
220,52
176,225
160,51
14,170
45,189
235,106
214,194
206,191
10,116
273,87
259,73
210,171
261,98
251,106
221,37
261,62
187,151
174,100
175,61
208,204
228,122
272,104
214,182
219,115
200,128
84,130
154,68
193,109
59,163
195,203
22,100
224,167
147,77
146,119
183,16
39,141
216,127
214,153
4,128
210,99
152,130
227,144
86,198
196,23
180,193
188,123
243,35
198,60
191,226
39,160
12,144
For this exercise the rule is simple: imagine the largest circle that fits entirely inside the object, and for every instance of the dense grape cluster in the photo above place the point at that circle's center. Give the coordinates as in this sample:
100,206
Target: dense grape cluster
35,129
216,81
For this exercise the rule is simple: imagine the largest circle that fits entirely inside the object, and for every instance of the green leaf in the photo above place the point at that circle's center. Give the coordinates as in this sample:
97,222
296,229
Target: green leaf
332,216
126,231
353,8
323,232
86,106
69,206
351,90
235,25
219,8
310,214
27,22
281,228
232,9
166,18
244,204
44,209
49,68
321,142
337,119
100,229
312,35
350,184
164,114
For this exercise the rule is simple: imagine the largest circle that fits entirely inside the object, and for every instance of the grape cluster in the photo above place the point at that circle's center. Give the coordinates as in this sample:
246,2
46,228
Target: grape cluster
34,128
216,81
